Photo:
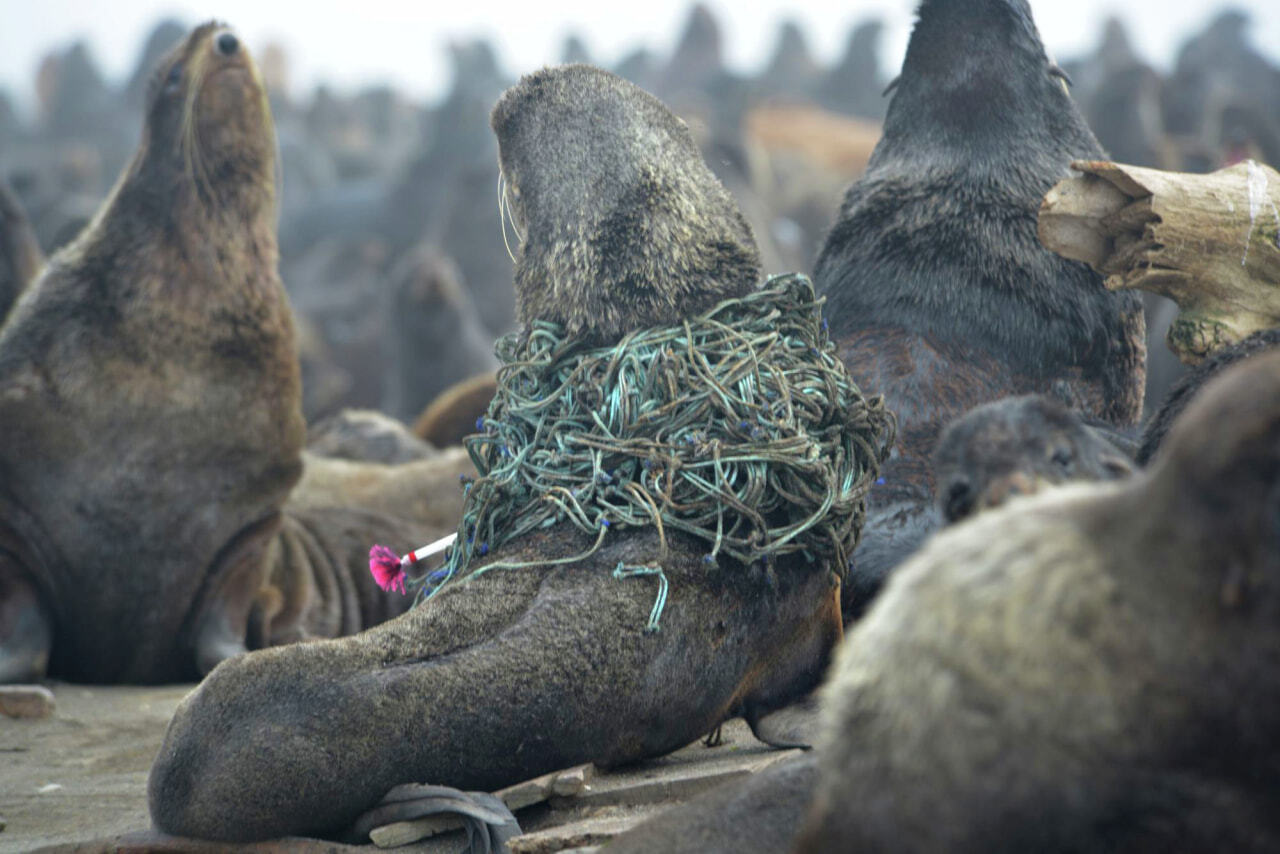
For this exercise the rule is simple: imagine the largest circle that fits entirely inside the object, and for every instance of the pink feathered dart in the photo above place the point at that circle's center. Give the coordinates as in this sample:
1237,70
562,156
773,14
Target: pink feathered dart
388,569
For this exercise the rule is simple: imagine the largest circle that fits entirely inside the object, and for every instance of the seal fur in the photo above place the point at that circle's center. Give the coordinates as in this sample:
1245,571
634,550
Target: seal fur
611,242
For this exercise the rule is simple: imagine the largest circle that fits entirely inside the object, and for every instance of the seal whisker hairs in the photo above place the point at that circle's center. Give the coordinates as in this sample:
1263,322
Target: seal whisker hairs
193,158
502,215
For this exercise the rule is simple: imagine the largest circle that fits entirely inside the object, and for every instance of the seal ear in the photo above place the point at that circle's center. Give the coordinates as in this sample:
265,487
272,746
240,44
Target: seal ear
1116,466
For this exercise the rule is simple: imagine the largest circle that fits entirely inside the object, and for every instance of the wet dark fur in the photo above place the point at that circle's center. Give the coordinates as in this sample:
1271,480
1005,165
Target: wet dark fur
937,286
1186,388
1097,670
628,228
1015,446
20,255
521,671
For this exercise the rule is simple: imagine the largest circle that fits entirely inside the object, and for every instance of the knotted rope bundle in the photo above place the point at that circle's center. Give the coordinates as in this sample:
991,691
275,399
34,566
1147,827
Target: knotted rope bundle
740,427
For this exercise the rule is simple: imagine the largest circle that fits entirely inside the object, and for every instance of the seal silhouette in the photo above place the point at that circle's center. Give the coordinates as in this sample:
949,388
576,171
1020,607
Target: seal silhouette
20,254
939,292
1096,672
150,407
519,671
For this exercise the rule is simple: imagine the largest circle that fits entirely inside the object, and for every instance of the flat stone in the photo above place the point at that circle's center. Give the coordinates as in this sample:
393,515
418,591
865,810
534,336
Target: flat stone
538,789
403,832
27,701
580,834
571,782
676,781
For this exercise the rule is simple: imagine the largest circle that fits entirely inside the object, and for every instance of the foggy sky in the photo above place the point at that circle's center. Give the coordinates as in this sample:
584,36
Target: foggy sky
360,42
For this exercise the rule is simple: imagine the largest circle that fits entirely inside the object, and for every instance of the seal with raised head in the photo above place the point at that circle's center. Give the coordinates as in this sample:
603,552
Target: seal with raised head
1018,446
939,292
150,408
115,425
20,254
552,633
1097,671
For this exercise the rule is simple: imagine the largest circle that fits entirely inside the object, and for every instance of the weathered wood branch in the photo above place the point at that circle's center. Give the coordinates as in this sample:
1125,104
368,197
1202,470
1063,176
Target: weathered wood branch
1211,243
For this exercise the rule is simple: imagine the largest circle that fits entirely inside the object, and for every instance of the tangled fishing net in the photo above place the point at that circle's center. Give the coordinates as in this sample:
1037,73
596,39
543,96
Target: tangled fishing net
740,427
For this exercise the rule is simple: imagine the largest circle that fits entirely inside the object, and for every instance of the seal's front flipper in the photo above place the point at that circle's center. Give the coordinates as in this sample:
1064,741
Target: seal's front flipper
26,627
753,714
237,578
488,822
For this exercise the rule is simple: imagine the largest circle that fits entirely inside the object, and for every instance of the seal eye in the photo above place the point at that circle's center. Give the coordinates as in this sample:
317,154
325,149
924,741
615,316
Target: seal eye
228,44
959,500
173,81
1062,458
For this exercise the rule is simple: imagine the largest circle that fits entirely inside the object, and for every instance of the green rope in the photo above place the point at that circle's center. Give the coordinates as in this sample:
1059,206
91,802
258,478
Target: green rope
740,427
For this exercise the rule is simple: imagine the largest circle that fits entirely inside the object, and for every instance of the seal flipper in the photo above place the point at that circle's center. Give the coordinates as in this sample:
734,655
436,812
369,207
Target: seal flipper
26,628
238,574
488,821
753,714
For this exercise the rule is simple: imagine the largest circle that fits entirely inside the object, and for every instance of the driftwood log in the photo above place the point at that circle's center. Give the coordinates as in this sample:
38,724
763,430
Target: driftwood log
1211,243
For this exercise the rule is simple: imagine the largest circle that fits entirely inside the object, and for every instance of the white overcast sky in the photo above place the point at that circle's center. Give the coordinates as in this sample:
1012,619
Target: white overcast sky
350,43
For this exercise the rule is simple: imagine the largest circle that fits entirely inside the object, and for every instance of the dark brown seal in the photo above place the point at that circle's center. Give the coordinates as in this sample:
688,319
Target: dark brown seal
150,408
940,293
520,671
1096,670
1018,446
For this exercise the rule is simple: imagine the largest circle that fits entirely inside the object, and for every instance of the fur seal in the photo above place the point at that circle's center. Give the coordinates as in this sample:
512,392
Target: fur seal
1017,446
150,407
451,417
115,425
367,435
939,292
1097,670
1189,385
20,255
434,334
620,222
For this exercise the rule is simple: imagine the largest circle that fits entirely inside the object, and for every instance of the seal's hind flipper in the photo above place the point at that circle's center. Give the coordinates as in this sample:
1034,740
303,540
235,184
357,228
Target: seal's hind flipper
753,715
26,630
488,822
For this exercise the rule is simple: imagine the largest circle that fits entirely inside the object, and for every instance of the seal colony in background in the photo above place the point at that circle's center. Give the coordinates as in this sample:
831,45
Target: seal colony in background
665,524
605,622
152,455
